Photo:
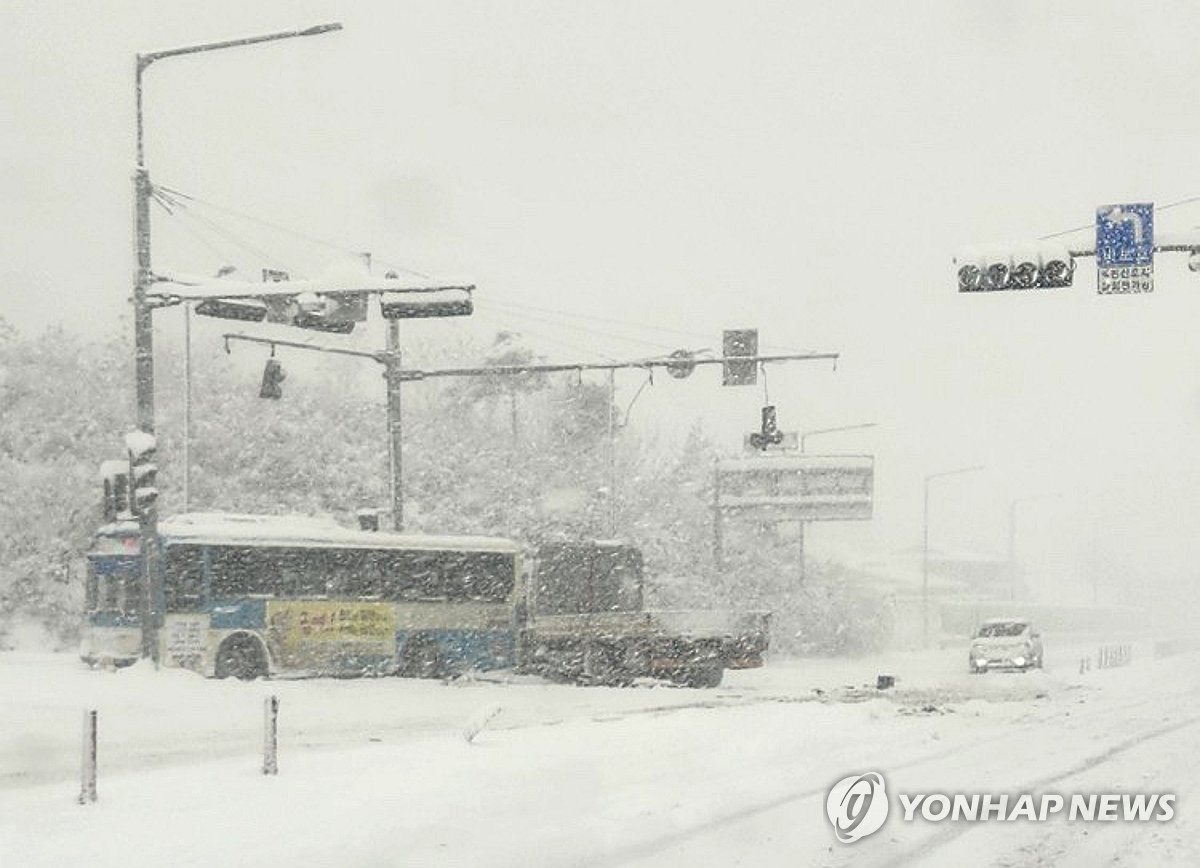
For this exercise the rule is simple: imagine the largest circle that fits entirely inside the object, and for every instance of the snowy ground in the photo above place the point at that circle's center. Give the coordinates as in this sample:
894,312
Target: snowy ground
378,772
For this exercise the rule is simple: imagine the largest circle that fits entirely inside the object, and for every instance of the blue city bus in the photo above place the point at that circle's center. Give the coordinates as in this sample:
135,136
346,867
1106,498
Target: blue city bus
252,596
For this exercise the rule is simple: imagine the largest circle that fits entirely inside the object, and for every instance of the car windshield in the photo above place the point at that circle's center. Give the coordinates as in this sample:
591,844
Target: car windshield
1002,628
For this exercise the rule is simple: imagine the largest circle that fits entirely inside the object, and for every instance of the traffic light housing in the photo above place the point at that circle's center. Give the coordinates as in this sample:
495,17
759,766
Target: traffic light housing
769,434
115,477
142,449
244,309
739,342
328,312
424,304
272,379
1023,266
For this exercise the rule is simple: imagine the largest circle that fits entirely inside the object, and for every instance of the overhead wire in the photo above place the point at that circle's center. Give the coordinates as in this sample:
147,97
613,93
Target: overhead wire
177,203
592,317
192,231
262,222
541,336
628,323
182,208
584,329
1188,201
303,236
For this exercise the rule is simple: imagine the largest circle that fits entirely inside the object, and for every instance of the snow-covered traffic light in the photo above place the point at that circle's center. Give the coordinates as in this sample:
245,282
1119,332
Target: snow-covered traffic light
272,379
739,342
245,309
1023,266
330,312
143,472
115,477
440,302
769,434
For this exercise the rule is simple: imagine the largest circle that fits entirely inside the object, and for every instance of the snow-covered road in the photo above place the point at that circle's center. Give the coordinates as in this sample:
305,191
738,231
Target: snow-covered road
377,772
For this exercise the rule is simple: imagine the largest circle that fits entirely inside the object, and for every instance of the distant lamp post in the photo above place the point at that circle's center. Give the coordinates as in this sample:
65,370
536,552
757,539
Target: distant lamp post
143,309
1012,538
805,435
925,548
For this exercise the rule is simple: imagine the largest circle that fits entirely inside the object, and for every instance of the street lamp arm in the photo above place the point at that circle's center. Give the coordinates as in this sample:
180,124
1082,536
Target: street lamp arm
804,436
933,476
925,547
149,57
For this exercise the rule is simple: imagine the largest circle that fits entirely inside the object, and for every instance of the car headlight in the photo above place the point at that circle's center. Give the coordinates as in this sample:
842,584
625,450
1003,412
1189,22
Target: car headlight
1019,660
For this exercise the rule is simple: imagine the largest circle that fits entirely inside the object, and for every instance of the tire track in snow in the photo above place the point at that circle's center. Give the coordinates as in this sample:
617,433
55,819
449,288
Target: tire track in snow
644,850
920,852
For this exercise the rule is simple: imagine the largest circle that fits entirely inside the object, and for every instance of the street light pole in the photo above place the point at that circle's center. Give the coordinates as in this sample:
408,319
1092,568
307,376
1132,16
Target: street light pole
143,310
803,524
393,374
925,548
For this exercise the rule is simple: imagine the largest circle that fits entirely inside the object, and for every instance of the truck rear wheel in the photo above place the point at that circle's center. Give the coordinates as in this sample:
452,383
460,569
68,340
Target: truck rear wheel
421,658
702,676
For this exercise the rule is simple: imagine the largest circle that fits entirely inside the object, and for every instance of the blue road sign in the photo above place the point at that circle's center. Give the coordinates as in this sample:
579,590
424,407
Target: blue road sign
1125,248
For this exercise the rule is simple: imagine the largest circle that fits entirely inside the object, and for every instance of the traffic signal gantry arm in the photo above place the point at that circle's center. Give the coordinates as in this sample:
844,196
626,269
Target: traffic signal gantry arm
414,374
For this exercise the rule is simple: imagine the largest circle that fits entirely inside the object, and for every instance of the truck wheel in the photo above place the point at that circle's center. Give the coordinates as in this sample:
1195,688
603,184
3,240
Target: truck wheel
703,676
421,658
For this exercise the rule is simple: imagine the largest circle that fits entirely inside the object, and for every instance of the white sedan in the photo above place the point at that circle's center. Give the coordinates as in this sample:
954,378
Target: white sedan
1006,643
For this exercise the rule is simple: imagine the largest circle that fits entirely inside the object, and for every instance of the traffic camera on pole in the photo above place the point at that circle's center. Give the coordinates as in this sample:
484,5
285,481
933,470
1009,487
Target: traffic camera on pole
1028,265
143,472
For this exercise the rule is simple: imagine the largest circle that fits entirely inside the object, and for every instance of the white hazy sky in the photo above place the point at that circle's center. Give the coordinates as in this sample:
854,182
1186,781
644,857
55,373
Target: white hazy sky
806,168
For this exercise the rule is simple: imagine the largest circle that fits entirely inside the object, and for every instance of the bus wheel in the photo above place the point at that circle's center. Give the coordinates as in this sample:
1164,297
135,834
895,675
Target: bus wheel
421,658
241,657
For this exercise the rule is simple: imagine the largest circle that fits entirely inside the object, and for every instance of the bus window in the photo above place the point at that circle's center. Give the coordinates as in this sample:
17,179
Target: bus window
357,574
446,575
297,572
184,582
235,571
486,575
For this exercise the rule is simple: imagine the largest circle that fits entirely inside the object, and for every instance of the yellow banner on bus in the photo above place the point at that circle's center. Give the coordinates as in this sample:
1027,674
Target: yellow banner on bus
296,626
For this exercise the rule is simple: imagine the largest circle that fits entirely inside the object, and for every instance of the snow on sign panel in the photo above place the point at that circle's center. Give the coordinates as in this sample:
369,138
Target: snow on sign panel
799,487
1125,248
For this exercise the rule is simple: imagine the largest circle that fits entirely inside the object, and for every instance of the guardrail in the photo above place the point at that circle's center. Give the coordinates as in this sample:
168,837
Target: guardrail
1114,655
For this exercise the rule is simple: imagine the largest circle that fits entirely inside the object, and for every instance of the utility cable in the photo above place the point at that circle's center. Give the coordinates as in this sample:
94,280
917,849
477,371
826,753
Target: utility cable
629,323
221,255
1187,201
583,329
217,229
508,326
340,248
